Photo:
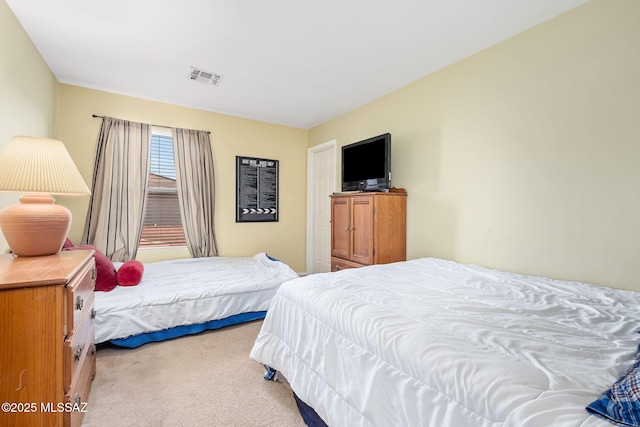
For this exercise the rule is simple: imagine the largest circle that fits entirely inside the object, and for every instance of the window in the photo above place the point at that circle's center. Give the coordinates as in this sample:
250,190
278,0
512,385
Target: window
162,225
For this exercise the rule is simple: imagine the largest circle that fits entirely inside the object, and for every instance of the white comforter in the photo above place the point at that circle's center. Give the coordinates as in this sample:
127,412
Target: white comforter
188,291
434,343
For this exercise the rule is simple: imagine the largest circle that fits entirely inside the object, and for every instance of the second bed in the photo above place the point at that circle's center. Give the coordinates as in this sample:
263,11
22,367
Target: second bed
185,296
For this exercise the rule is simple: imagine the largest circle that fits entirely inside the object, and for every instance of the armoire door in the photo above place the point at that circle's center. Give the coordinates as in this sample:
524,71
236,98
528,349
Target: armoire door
362,229
341,228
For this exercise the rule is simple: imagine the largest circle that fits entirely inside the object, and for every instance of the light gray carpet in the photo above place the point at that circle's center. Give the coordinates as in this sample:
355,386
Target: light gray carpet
198,380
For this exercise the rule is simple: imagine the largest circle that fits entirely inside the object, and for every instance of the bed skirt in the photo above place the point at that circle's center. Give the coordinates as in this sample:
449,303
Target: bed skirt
178,331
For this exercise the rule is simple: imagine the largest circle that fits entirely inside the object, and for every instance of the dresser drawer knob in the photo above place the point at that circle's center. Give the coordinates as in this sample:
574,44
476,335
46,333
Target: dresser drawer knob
78,399
93,313
94,349
79,303
77,353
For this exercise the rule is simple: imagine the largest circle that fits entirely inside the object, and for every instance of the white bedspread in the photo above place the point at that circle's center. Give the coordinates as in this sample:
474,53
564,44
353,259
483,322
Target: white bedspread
433,343
188,291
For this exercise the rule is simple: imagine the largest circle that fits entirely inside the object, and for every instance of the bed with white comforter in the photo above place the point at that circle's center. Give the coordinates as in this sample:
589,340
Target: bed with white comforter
185,292
431,342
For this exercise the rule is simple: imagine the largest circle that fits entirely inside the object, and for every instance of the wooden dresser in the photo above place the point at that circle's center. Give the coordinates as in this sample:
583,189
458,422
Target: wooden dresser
47,347
368,228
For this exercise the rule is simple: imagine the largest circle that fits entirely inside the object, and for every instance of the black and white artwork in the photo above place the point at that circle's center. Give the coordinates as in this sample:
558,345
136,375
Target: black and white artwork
256,189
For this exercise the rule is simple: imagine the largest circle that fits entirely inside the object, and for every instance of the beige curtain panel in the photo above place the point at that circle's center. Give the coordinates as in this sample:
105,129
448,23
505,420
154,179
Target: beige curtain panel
120,181
196,188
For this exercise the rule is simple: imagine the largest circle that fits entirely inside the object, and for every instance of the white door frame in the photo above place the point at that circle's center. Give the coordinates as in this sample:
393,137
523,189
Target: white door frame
310,196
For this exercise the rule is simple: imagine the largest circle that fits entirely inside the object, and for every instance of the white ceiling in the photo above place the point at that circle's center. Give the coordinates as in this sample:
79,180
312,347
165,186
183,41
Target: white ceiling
292,62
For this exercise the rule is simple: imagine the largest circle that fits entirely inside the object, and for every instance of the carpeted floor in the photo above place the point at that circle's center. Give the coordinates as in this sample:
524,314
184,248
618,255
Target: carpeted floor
199,380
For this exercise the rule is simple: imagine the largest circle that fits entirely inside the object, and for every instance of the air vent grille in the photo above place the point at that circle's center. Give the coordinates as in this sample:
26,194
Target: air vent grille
206,77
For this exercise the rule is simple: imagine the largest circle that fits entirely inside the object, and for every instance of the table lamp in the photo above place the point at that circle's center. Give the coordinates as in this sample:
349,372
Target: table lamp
37,167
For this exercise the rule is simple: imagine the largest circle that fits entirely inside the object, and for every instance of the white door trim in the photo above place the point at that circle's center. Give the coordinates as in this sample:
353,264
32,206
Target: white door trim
310,196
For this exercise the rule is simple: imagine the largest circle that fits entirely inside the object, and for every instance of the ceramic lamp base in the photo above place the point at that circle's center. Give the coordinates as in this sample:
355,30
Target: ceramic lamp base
36,226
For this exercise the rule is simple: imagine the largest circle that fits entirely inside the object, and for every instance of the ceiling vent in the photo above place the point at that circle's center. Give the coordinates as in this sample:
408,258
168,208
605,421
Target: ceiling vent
206,77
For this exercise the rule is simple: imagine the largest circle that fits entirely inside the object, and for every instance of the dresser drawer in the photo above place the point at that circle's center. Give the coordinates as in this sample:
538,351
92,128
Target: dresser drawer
78,394
79,290
338,264
78,344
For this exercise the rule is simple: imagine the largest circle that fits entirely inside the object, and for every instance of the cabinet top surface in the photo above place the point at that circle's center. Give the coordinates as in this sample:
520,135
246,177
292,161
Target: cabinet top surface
58,269
368,193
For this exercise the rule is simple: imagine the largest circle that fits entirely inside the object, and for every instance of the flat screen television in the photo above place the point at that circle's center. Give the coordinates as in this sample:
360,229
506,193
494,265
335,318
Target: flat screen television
366,165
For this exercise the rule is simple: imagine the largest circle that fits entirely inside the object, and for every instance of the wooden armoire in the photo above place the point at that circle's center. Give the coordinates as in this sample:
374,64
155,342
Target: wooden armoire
367,228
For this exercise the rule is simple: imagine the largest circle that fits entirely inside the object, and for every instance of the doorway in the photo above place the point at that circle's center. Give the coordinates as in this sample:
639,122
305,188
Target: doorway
321,182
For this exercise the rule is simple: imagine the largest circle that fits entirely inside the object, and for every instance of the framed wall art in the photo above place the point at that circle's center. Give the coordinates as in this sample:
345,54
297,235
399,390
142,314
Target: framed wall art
256,189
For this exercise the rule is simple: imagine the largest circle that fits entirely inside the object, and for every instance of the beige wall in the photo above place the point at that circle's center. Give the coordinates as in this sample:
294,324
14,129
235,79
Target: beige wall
27,91
525,156
230,137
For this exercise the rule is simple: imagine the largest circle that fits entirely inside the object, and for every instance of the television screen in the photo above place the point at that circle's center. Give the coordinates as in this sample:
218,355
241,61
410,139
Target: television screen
366,165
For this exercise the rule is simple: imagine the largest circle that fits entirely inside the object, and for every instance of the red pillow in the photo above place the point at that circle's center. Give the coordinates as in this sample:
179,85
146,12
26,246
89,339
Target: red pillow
130,273
67,244
106,271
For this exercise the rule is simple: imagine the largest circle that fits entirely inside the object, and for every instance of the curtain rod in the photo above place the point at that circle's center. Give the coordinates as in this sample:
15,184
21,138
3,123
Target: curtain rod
160,126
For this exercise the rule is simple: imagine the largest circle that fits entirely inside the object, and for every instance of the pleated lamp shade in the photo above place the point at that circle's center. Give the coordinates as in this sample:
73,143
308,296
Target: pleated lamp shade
37,167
